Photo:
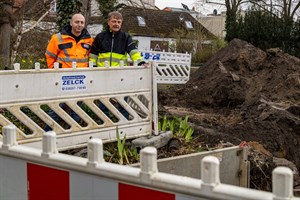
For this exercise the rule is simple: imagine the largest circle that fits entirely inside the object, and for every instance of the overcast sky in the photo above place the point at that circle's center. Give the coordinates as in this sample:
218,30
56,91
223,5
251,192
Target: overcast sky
173,3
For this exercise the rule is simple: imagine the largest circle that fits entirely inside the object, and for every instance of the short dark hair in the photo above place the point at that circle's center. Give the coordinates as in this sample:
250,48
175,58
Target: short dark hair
115,14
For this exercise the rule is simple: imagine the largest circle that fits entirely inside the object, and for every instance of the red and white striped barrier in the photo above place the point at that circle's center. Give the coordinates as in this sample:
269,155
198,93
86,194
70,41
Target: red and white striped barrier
26,180
31,174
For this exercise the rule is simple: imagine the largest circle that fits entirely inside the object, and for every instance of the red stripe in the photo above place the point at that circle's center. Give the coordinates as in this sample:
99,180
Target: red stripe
44,183
131,192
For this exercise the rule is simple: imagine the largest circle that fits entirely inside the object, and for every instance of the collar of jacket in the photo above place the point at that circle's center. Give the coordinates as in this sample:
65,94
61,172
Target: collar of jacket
67,31
111,33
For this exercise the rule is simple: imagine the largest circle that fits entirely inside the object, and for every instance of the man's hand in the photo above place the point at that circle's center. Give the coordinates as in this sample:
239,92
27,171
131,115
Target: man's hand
145,65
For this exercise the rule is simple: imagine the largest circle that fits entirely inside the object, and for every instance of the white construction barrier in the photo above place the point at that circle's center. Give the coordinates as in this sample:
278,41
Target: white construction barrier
171,68
234,165
78,104
31,174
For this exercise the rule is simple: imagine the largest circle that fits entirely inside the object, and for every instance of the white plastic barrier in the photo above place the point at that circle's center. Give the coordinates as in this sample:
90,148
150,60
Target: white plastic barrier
31,174
234,165
90,102
171,68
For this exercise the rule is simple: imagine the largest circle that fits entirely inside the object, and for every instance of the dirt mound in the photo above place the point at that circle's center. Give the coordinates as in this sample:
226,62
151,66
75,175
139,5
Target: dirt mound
244,94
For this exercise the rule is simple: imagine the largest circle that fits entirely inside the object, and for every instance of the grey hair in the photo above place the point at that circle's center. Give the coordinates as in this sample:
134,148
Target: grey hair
115,14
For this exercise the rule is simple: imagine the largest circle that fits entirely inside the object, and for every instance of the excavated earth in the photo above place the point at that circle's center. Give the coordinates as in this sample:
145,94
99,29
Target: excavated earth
244,94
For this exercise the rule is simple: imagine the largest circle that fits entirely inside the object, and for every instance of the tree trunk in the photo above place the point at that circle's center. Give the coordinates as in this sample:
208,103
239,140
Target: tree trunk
86,10
5,34
6,27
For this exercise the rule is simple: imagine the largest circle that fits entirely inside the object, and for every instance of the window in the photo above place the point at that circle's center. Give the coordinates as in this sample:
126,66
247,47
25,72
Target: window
189,25
181,17
141,21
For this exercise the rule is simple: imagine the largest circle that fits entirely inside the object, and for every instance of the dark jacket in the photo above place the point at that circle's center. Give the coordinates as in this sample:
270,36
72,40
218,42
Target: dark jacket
114,48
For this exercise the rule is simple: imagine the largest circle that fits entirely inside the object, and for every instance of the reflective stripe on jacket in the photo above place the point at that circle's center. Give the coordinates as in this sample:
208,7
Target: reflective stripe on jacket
63,49
113,48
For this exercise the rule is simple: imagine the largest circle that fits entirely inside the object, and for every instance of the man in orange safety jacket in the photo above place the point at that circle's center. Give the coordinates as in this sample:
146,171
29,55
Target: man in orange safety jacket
72,44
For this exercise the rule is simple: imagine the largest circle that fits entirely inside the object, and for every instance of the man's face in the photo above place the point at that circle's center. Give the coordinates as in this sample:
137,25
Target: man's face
77,24
114,24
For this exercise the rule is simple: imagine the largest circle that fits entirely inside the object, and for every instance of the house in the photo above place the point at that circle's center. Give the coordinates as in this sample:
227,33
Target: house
159,29
215,24
94,5
192,11
153,29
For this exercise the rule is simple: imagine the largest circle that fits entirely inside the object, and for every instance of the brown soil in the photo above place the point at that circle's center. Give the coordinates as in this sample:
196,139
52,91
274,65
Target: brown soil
241,95
244,94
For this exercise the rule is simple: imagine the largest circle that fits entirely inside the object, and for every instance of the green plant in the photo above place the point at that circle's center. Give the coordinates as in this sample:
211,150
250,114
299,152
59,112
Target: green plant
106,6
200,149
164,125
172,125
121,147
133,154
178,126
65,9
118,152
183,126
159,125
201,56
29,63
205,51
189,133
218,44
15,121
90,112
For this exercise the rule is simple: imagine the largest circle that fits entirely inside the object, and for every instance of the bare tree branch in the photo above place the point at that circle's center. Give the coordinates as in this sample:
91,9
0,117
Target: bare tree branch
37,22
20,32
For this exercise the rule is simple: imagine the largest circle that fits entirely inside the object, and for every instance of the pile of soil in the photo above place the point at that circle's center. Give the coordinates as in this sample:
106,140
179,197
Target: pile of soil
245,94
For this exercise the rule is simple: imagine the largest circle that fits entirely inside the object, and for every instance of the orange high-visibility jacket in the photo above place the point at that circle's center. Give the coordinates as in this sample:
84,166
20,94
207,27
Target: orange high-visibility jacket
63,49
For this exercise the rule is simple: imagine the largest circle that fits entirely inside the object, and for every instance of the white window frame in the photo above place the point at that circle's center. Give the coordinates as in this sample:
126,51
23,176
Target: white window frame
141,21
188,24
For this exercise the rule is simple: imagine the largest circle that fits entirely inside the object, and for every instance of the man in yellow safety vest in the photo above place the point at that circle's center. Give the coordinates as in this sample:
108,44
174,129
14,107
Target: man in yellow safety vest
113,45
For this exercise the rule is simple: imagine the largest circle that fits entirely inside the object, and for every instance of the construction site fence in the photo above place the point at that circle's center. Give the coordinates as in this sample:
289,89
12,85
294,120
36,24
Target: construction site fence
29,173
171,67
85,103
234,165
